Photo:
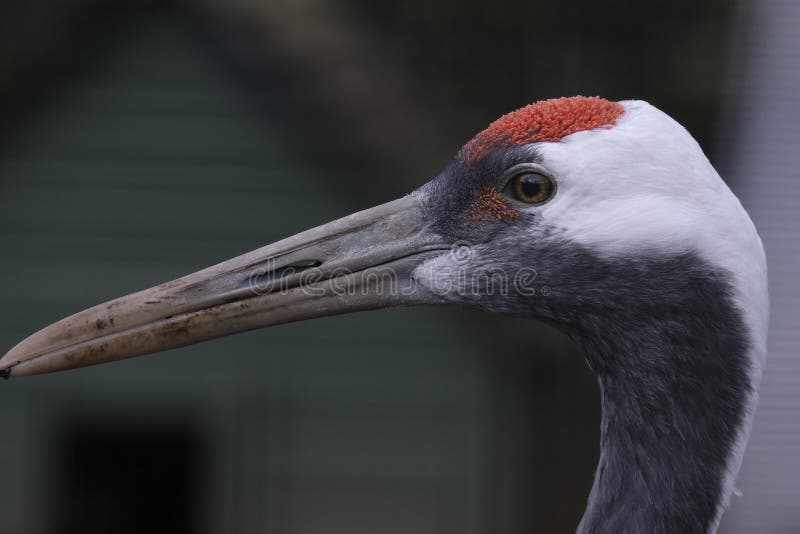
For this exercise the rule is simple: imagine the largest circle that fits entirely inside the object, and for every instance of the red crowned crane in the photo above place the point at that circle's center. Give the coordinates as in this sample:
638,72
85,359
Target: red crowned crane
654,269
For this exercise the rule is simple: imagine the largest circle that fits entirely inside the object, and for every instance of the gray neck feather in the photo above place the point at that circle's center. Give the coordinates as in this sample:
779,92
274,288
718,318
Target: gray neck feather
674,386
671,353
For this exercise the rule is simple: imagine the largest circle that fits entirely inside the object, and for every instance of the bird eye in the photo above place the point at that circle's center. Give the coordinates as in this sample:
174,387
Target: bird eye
532,187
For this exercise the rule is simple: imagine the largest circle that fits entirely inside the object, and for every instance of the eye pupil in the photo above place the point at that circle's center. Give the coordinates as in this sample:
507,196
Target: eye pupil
533,188
530,188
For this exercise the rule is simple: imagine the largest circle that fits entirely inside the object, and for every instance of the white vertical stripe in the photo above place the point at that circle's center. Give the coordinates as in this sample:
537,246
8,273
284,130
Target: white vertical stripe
760,157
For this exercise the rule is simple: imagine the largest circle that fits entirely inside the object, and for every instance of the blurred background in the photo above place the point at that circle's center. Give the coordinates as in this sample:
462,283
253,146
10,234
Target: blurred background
142,140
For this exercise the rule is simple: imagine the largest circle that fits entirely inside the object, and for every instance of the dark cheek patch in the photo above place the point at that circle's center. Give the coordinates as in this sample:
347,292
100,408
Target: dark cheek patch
490,206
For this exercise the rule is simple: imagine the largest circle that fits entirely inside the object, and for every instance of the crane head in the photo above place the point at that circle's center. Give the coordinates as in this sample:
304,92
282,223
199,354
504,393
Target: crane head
553,211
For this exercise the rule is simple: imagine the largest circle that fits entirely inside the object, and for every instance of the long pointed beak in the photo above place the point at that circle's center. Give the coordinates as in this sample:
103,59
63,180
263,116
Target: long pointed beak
363,261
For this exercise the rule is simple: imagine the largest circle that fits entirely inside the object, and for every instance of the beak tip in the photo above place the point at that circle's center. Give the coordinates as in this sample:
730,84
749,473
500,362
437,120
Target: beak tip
7,364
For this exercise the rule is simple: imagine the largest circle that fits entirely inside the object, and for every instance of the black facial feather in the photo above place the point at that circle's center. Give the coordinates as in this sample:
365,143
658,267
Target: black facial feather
451,194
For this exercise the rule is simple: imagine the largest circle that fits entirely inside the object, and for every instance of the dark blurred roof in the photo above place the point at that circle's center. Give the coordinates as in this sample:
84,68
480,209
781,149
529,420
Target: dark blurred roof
324,75
403,85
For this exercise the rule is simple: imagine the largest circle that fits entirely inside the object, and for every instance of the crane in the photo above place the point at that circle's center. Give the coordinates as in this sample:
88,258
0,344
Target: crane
602,218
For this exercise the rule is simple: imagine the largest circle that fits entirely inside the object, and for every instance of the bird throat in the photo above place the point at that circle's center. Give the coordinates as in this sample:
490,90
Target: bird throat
672,364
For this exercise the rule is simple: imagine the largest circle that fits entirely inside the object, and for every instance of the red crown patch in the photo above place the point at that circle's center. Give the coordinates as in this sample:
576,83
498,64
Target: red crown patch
546,120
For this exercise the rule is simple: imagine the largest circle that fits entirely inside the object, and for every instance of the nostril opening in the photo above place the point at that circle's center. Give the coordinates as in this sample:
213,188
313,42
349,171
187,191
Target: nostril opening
305,264
285,270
